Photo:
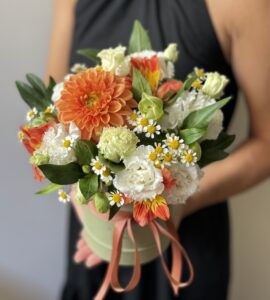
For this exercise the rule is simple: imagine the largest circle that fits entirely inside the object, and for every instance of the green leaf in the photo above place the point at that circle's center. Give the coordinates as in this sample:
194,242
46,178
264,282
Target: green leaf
30,96
192,135
101,202
91,54
89,185
113,211
139,85
186,86
62,174
51,187
112,166
139,39
37,84
213,150
50,87
85,151
201,118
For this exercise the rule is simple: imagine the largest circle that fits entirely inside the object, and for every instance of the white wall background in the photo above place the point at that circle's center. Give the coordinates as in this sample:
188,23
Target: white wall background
33,228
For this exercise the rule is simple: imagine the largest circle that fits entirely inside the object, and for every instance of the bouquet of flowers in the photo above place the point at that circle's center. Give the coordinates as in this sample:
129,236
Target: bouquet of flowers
132,139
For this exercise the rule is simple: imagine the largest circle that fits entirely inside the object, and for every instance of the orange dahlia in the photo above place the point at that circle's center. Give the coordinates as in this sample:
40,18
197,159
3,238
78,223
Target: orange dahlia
95,99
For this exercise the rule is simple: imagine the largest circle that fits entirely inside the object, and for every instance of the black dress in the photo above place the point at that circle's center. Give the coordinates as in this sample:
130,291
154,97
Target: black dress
205,235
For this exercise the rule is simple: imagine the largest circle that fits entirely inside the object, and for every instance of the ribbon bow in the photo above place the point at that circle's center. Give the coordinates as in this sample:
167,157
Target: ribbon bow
123,221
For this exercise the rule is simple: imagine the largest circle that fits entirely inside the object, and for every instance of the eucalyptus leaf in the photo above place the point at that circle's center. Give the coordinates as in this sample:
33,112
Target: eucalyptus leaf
201,118
140,85
139,39
89,185
50,188
62,174
192,135
85,151
91,54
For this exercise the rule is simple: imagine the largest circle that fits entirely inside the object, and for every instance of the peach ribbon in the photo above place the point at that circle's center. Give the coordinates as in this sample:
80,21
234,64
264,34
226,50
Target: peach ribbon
123,221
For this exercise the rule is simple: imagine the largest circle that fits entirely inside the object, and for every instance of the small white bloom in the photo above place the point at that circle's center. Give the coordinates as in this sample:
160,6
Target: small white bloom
68,142
77,68
97,166
106,175
140,180
31,114
187,183
63,196
169,157
134,117
152,129
116,198
114,60
142,123
52,144
50,109
174,143
188,157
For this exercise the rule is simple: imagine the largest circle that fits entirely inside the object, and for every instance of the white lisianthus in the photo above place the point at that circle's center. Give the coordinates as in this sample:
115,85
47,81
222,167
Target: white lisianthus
171,53
175,114
187,183
58,88
140,180
53,144
215,84
114,60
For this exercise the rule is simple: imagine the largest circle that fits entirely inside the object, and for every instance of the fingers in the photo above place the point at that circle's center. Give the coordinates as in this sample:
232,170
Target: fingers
93,261
82,254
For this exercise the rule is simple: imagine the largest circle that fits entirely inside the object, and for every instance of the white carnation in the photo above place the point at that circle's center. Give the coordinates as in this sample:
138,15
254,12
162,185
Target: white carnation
187,183
175,114
52,144
140,180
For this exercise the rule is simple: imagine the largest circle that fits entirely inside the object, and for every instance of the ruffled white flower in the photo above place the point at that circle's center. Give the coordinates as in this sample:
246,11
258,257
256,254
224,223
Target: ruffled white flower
53,146
175,114
140,180
63,196
31,114
115,198
215,126
77,68
58,88
114,60
187,183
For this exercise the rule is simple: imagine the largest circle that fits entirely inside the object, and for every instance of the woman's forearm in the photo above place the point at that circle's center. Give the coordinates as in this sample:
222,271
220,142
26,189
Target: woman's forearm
245,167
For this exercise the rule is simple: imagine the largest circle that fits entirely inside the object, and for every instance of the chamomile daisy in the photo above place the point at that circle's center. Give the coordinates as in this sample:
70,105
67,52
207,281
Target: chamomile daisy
152,129
50,109
174,143
133,118
97,166
115,198
199,73
106,175
31,114
77,68
188,157
68,142
169,158
63,196
142,123
20,135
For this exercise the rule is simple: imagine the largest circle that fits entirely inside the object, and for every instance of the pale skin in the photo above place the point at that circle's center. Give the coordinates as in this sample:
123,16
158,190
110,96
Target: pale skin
242,28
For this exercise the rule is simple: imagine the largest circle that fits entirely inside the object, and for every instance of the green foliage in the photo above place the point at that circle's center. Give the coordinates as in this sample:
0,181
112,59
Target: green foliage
214,150
50,188
89,185
140,85
85,151
36,94
201,118
62,174
191,135
113,211
101,202
91,54
139,39
112,166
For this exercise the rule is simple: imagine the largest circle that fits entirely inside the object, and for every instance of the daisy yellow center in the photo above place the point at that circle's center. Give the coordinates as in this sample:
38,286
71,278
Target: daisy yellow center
116,198
98,165
144,122
151,129
174,144
31,114
153,156
27,126
20,135
168,157
189,157
159,149
63,195
98,68
158,164
91,99
67,143
197,84
48,110
200,73
106,172
134,117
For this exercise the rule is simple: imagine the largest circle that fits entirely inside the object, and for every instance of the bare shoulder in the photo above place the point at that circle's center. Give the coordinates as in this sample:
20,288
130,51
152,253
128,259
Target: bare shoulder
235,19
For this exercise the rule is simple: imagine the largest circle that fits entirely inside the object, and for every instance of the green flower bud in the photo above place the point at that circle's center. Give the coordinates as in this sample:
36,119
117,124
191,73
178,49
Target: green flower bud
101,202
214,85
151,107
37,122
196,148
86,169
39,159
171,53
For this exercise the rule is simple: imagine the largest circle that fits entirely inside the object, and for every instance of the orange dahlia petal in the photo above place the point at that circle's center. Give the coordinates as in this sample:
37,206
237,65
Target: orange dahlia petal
114,106
116,120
